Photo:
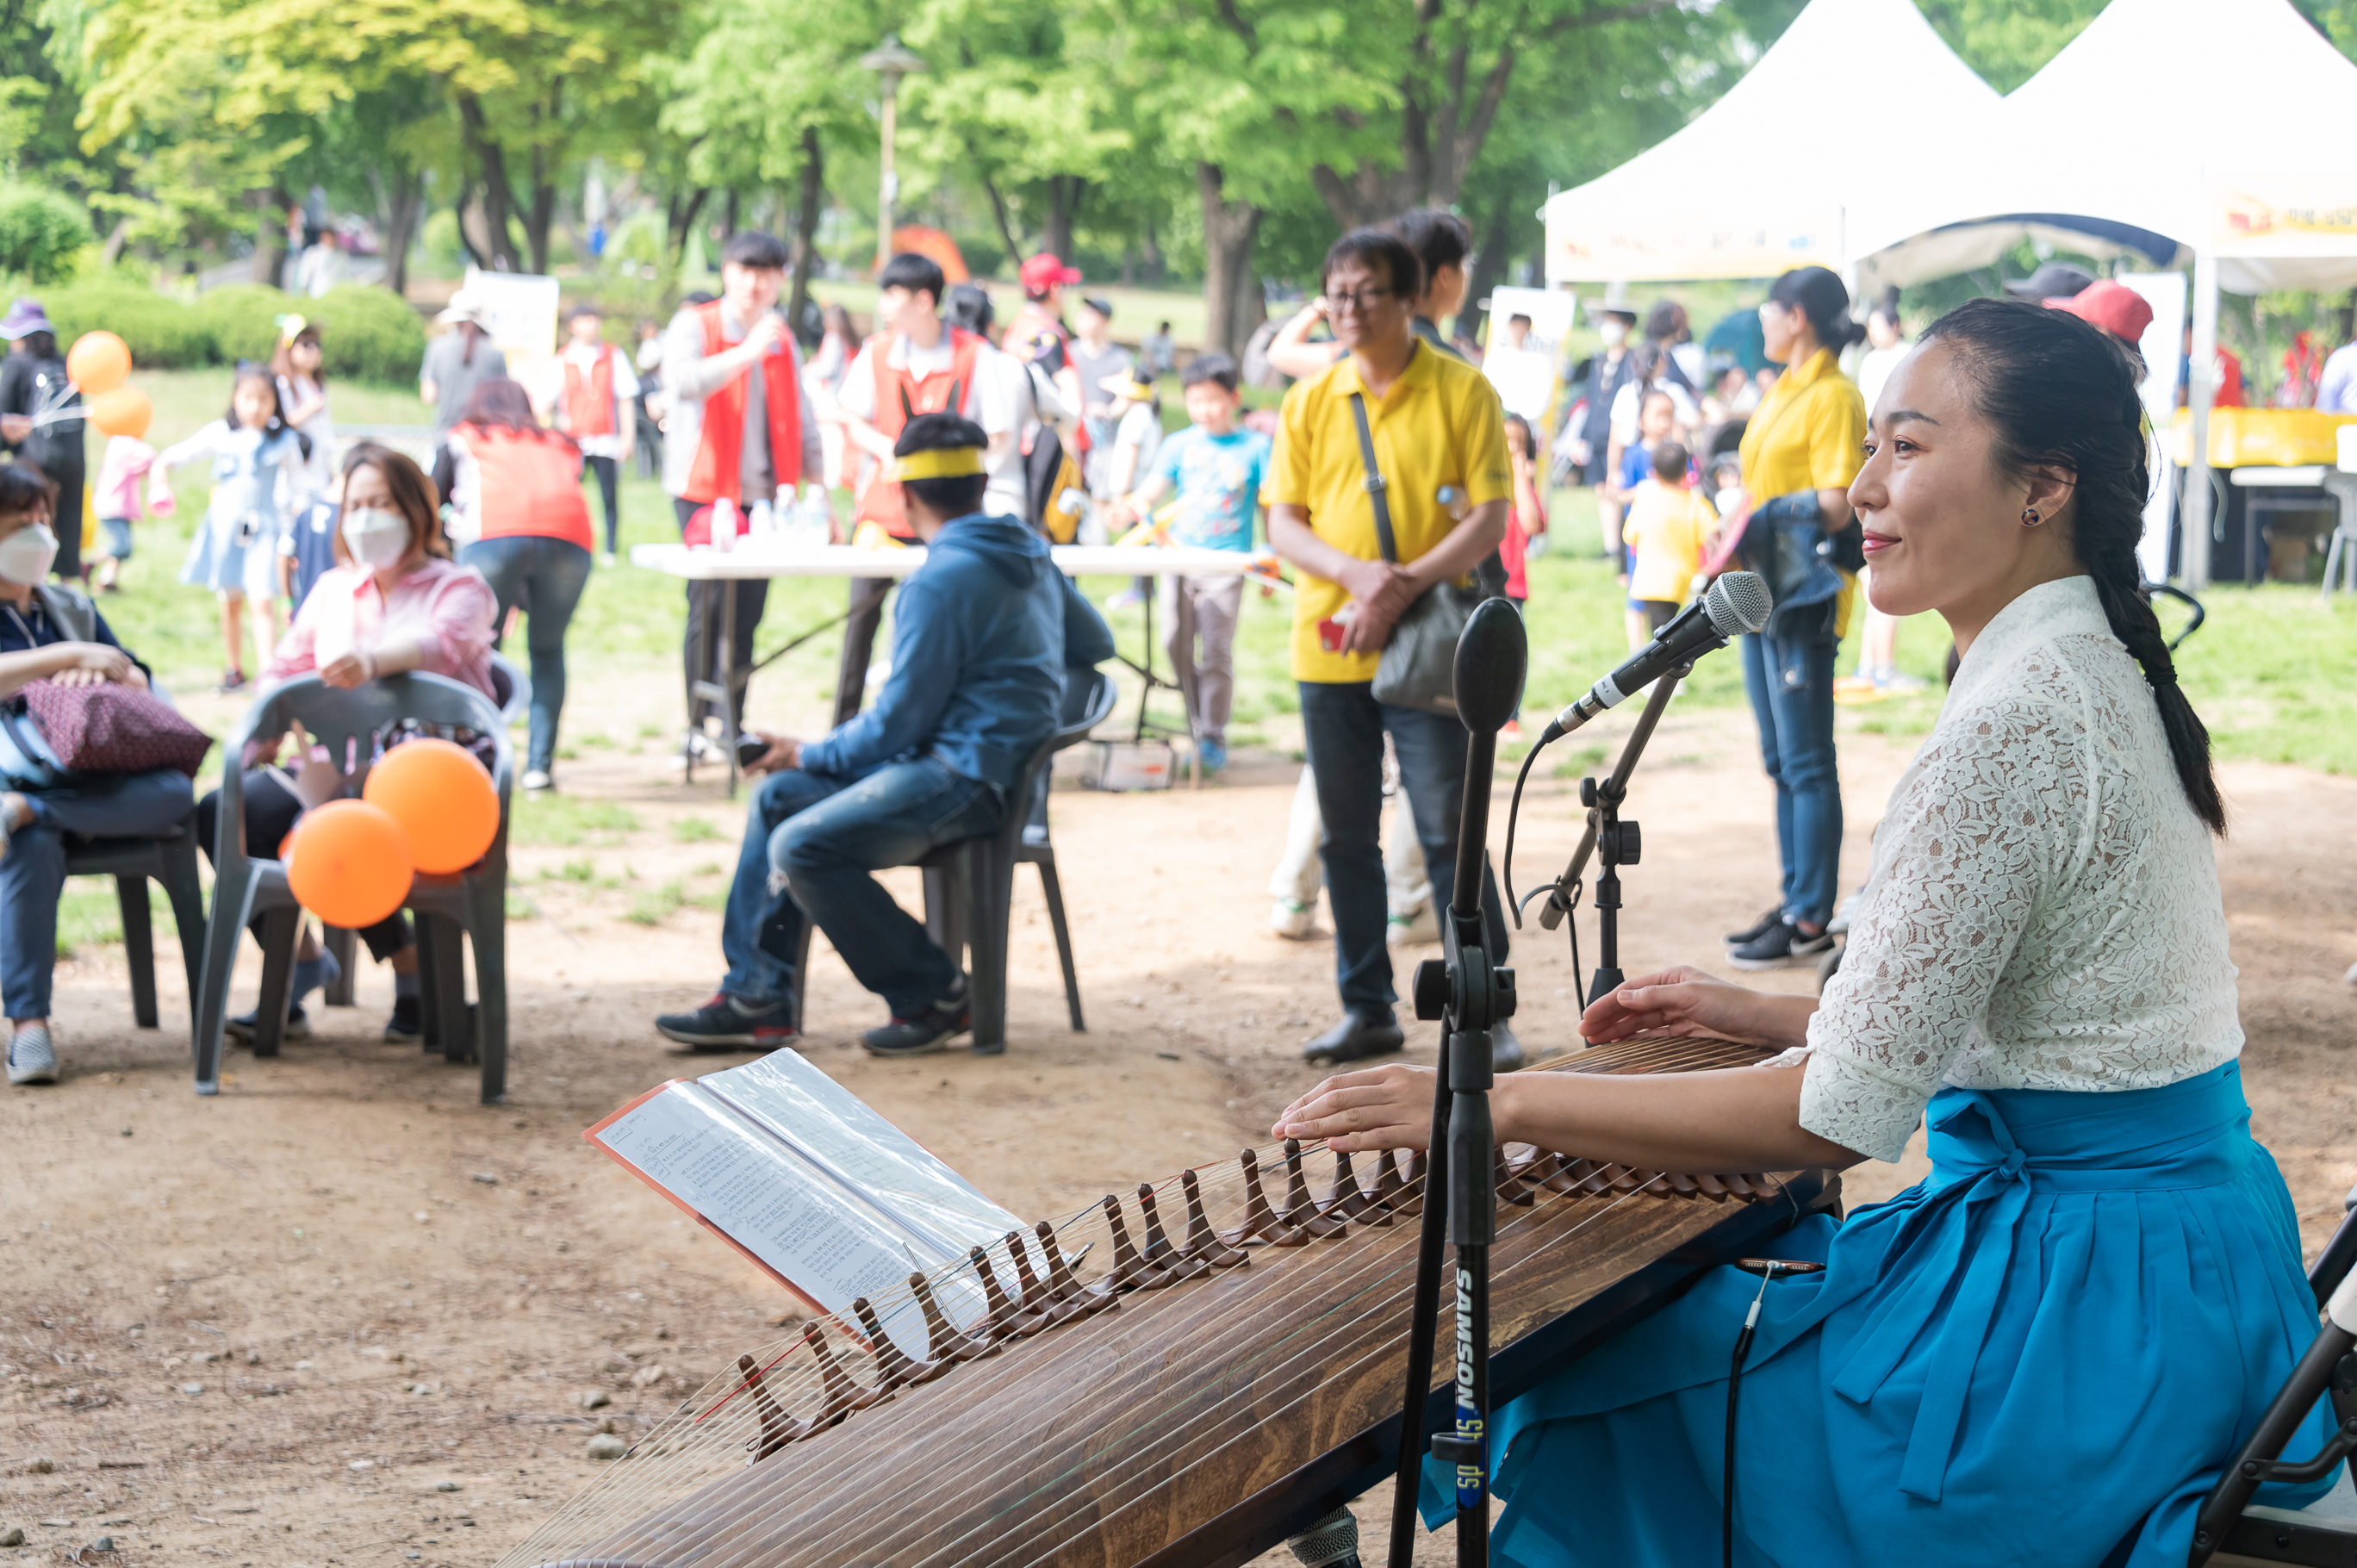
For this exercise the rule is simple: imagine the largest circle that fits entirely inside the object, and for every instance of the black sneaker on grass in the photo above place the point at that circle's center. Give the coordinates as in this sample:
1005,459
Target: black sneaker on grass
929,1031
1781,945
1756,930
730,1023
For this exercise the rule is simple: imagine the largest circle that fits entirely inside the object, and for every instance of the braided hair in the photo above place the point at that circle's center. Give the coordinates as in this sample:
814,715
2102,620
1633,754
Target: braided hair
2061,393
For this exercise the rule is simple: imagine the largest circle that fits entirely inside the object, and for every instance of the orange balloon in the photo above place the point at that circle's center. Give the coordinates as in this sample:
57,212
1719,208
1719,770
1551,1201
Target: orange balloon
125,410
98,362
350,865
443,799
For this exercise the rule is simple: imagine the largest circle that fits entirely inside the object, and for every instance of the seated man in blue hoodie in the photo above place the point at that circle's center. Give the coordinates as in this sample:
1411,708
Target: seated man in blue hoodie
982,637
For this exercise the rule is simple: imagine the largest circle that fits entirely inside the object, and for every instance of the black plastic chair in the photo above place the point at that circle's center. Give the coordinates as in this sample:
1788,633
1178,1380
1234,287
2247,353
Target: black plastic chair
132,863
473,902
2325,1532
970,884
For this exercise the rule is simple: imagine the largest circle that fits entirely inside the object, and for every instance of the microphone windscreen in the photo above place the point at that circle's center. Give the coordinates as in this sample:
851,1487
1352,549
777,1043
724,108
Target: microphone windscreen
1332,1539
1491,652
1738,602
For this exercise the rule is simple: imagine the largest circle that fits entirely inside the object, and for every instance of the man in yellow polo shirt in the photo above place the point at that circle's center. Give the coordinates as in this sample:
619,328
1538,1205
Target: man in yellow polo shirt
1437,427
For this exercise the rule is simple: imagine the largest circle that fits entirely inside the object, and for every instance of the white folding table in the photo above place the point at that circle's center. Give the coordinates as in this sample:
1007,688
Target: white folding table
875,571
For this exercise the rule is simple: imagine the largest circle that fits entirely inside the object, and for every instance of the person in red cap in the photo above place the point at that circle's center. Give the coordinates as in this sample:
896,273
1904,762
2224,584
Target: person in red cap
2114,307
1037,331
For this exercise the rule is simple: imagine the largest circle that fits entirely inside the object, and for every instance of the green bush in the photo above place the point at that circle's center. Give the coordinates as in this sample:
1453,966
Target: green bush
162,333
242,319
368,333
41,233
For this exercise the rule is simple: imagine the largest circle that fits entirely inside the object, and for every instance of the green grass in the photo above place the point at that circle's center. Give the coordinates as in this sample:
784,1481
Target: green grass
568,820
696,830
655,905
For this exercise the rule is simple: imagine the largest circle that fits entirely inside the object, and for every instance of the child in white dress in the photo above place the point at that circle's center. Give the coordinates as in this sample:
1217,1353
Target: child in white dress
234,551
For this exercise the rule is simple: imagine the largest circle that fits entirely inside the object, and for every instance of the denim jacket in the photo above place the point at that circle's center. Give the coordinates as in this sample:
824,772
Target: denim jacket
1785,542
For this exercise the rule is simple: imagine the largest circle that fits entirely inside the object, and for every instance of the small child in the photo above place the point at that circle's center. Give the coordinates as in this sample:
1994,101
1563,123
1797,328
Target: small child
1216,467
1128,458
306,547
1526,520
235,549
126,462
1668,527
1656,418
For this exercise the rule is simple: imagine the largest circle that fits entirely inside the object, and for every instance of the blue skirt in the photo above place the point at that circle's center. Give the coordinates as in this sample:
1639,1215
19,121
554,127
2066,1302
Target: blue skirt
2046,1351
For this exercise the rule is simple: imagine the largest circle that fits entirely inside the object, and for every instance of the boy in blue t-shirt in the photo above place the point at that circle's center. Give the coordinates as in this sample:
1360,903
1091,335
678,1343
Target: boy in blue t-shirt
1216,468
306,547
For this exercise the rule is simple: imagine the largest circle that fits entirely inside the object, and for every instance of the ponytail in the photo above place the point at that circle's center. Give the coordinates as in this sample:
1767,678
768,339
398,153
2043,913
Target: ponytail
1817,294
2061,393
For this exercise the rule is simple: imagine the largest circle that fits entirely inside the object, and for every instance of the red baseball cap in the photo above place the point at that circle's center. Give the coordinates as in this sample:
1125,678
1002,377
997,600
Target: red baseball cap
1046,270
2114,307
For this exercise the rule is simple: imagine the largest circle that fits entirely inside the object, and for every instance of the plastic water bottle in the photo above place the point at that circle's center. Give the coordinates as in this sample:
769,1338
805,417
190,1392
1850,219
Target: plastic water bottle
757,520
814,519
723,524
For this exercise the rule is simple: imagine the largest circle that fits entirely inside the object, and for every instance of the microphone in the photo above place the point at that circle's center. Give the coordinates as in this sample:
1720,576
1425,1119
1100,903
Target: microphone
1736,603
1331,1542
1491,652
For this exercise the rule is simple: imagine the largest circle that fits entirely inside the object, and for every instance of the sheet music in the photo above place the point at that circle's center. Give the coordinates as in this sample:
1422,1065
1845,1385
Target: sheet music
773,1202
872,1159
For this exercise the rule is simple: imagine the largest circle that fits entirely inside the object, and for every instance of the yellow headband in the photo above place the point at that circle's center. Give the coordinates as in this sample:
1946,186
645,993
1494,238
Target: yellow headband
940,463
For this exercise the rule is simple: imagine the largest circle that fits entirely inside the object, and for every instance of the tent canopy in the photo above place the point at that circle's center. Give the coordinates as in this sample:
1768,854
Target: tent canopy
1761,180
2138,122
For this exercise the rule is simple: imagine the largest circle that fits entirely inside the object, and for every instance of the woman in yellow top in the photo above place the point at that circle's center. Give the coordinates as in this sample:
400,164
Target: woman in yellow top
1803,446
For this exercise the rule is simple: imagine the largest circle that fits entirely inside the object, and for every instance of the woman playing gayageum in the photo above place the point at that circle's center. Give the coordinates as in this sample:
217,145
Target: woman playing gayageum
2047,1349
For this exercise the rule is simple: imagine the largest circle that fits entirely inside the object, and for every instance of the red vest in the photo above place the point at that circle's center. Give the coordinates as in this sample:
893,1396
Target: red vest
528,485
899,396
589,405
717,469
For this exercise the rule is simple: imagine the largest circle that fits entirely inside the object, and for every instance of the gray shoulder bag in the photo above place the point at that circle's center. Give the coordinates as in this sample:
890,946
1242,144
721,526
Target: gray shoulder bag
1418,668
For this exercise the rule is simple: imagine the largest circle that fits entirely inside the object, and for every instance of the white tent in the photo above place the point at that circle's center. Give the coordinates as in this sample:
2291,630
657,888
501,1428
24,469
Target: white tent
2220,124
1763,180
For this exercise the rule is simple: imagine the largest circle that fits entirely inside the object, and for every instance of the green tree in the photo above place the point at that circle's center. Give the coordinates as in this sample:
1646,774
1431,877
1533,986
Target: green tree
770,88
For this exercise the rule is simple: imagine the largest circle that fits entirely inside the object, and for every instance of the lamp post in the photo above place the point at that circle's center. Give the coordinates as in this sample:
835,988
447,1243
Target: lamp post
891,62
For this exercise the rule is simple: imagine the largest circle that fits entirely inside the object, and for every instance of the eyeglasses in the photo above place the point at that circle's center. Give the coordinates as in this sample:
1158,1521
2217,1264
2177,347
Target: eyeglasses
1360,302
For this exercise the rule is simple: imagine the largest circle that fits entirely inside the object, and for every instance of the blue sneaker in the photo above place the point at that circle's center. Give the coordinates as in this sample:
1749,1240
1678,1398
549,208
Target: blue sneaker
1212,754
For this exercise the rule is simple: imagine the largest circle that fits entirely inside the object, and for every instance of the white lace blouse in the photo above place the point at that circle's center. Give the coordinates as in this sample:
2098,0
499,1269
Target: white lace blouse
2043,910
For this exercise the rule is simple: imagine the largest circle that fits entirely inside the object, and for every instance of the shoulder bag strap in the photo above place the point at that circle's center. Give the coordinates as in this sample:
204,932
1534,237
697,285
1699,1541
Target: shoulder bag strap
1375,480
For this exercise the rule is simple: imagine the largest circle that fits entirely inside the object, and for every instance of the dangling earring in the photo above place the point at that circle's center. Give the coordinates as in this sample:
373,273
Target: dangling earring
2030,517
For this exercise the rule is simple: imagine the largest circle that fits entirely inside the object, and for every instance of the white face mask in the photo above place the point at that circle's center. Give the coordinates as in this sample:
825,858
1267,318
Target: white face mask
26,554
1614,333
378,539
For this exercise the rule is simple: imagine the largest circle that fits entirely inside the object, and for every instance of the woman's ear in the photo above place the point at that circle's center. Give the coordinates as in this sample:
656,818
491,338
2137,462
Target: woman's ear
2049,492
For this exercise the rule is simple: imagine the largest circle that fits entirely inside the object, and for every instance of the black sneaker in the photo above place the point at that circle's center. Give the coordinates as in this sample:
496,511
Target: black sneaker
929,1031
1355,1038
728,1023
1756,930
1779,945
407,1024
298,1026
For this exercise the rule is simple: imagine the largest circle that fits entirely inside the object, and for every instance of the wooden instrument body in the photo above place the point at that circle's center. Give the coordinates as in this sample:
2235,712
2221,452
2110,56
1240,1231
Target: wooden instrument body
1199,1425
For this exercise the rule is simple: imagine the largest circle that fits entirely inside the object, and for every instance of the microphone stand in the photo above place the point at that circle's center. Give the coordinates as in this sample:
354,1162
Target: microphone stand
1470,996
1615,843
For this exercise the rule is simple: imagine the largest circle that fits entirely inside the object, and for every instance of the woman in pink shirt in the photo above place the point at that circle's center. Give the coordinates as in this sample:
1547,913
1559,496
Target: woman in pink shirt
394,602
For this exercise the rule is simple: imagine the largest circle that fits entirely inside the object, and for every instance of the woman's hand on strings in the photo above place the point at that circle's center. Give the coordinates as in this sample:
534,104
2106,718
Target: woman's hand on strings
1387,1107
1684,1000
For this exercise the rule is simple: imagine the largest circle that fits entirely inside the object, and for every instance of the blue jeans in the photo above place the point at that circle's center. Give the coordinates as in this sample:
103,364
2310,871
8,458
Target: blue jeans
1344,727
811,842
33,875
546,577
1796,744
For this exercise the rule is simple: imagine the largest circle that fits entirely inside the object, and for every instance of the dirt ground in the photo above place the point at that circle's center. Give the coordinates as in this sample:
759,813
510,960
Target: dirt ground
342,1314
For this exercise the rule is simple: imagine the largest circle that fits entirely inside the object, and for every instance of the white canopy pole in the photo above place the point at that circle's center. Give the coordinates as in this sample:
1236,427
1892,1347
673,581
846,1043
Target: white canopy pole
2200,386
